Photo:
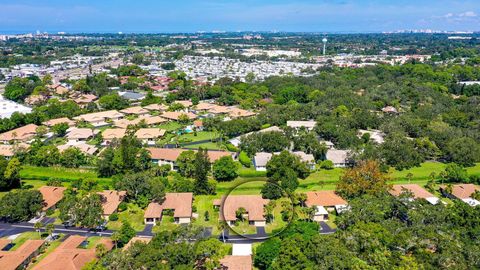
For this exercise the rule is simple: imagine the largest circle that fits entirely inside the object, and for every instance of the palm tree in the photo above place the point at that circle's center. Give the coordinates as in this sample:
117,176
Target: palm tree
50,228
115,238
38,226
222,226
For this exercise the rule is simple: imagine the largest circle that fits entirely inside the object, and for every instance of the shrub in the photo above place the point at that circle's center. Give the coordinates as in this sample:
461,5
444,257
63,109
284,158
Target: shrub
122,206
113,217
231,147
207,216
244,159
326,165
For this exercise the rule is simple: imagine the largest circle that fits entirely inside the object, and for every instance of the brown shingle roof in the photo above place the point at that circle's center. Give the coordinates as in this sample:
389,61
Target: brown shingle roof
99,116
11,260
137,239
237,262
80,133
417,191
324,198
149,133
113,133
7,150
171,154
464,191
53,122
181,203
252,203
68,256
51,195
135,110
176,115
24,133
110,200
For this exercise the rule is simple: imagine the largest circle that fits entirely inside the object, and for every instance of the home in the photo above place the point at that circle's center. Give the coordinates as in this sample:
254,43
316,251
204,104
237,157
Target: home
415,190
375,135
241,258
162,156
308,125
153,120
390,110
261,159
253,205
340,158
239,113
111,199
20,257
204,106
136,239
180,203
69,255
139,111
176,116
184,103
325,202
51,196
8,151
76,135
21,134
84,99
156,107
462,192
328,144
53,122
111,134
198,125
149,135
86,149
99,119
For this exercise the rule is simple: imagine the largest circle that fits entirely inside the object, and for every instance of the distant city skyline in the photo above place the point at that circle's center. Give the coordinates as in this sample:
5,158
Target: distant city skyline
149,16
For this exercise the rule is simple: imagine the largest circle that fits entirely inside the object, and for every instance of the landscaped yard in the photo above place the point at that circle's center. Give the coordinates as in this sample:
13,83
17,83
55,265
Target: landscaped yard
22,238
166,224
49,249
133,214
170,126
208,146
66,174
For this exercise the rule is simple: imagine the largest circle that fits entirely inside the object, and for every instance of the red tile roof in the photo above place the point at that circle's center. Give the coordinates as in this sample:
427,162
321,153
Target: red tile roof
417,191
324,198
253,204
11,260
171,154
51,195
111,199
181,203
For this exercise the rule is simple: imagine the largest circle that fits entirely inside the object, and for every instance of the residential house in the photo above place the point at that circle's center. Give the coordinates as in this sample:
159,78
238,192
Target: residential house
21,257
111,199
462,192
325,202
184,103
139,111
340,158
51,196
162,156
328,144
149,136
111,134
156,107
180,203
84,99
416,191
253,204
70,256
198,125
137,239
53,122
390,110
132,96
375,135
175,116
8,150
86,149
21,134
308,125
239,113
261,159
76,135
99,119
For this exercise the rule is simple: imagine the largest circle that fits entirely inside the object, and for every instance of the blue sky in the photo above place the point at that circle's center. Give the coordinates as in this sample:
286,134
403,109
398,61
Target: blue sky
230,15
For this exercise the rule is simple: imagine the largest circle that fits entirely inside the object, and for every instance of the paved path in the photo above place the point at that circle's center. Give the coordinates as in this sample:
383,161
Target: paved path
325,229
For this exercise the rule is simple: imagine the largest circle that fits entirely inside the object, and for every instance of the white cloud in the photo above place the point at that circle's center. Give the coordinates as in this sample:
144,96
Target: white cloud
468,14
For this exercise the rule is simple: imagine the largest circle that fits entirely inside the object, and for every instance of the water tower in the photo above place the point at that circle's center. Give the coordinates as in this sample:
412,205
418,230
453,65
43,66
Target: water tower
324,40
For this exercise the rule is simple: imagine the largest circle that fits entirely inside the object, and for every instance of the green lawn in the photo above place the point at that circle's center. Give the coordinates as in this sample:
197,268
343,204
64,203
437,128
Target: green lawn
133,214
278,223
201,136
22,238
170,126
204,203
243,228
166,224
32,175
